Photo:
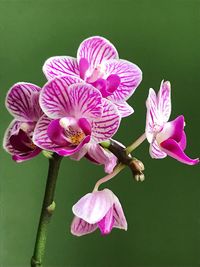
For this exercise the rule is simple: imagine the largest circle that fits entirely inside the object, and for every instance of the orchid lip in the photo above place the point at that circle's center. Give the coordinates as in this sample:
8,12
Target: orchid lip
67,131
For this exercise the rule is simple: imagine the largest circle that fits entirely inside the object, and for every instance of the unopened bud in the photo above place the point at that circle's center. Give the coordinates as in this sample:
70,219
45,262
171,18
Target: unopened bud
136,165
139,177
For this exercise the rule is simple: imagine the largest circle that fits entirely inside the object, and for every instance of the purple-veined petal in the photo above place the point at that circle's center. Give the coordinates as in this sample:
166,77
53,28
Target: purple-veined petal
95,50
93,206
77,100
54,98
22,101
40,136
102,156
164,100
155,151
60,65
106,223
81,153
118,215
124,109
12,129
107,125
80,227
172,130
68,151
130,77
152,116
20,157
172,148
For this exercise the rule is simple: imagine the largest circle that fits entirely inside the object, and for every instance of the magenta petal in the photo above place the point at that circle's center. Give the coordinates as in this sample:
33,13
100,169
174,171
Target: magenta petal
20,157
79,227
130,77
56,133
106,223
83,67
172,148
107,125
85,125
22,101
113,81
71,150
95,50
60,65
183,142
172,130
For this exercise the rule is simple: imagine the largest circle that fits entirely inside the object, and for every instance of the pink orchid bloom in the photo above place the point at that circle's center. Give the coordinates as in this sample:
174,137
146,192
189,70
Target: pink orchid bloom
165,138
76,119
22,102
100,209
98,63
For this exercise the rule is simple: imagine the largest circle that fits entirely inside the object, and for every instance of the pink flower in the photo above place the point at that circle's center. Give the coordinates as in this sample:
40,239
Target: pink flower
100,209
165,138
98,64
76,119
22,102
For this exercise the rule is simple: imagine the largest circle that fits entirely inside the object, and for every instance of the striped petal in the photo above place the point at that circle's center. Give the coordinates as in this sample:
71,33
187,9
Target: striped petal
93,206
118,215
80,227
20,152
124,109
107,125
12,129
60,65
164,100
22,101
130,77
58,99
155,151
152,116
95,50
40,136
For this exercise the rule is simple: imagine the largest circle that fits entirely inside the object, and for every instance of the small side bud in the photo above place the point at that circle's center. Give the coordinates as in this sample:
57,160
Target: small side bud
106,144
47,154
139,177
137,168
51,207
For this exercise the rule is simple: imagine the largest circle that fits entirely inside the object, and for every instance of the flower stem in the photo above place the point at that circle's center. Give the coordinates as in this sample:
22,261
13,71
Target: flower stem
117,169
136,143
47,210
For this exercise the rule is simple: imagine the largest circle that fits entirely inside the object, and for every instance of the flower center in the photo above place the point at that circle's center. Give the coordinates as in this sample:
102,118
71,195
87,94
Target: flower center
72,132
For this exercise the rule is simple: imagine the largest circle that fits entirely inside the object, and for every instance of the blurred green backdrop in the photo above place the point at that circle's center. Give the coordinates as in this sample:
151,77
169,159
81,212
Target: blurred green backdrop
163,212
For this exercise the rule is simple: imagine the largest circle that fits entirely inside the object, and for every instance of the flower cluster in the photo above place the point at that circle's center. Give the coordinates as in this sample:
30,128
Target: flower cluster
78,109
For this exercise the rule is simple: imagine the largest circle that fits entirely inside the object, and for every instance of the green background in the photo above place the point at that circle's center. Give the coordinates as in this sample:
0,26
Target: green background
163,212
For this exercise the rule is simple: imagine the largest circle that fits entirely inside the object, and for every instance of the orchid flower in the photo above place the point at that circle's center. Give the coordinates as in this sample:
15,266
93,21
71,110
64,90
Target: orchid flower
22,102
76,119
98,63
165,138
100,209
